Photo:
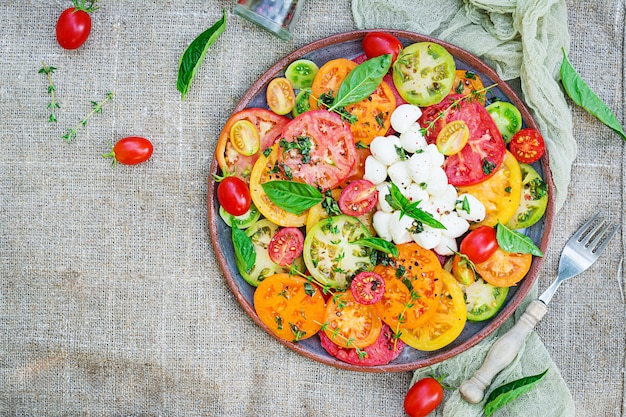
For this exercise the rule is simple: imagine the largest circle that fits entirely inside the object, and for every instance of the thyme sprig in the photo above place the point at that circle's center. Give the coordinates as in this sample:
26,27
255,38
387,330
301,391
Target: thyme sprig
86,5
53,105
96,108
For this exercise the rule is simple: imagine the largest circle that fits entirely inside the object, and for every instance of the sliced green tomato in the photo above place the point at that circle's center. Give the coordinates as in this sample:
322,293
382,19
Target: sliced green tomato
260,233
244,221
330,256
483,300
245,138
301,73
302,102
424,73
452,137
533,202
507,118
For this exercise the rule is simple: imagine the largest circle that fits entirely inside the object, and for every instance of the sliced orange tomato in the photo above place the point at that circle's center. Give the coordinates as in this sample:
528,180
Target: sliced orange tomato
504,269
350,324
411,282
500,193
280,96
447,322
466,82
373,114
290,306
262,172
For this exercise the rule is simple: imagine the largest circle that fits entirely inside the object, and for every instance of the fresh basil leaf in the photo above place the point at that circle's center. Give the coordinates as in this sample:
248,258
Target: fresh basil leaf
193,56
506,393
398,201
582,95
362,81
244,249
294,197
515,242
378,244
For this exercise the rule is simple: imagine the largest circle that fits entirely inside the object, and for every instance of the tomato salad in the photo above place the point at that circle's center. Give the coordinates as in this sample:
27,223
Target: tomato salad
383,207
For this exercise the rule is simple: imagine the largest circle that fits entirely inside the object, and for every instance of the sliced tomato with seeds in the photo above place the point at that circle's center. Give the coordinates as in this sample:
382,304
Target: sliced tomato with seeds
359,197
527,146
350,324
280,96
468,82
504,269
367,287
286,246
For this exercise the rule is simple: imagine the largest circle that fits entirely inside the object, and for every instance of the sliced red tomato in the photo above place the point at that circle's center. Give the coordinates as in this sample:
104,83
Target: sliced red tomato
291,307
358,170
280,96
350,324
317,148
527,146
485,149
286,246
367,287
269,126
385,349
359,197
479,244
504,269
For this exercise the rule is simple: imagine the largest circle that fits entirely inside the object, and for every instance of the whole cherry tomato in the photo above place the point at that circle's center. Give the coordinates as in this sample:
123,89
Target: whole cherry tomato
233,195
479,244
381,43
74,25
131,150
423,397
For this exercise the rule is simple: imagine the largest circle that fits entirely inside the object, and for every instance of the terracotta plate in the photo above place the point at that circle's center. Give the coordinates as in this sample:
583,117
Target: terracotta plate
348,45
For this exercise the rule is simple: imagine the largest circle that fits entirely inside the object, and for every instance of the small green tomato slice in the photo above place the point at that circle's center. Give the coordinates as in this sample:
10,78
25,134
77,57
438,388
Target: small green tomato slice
533,202
483,300
245,138
302,102
452,137
242,222
507,117
329,254
301,73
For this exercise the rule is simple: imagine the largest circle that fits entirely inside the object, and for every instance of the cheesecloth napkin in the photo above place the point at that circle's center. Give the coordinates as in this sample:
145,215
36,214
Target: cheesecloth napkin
519,39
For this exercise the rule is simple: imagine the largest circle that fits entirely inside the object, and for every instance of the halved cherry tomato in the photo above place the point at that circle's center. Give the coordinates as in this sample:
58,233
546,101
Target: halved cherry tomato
527,146
350,324
507,117
233,195
280,96
359,197
269,125
504,269
292,307
462,270
286,246
381,43
317,148
500,194
131,150
479,244
423,397
367,287
301,73
452,137
244,136
467,82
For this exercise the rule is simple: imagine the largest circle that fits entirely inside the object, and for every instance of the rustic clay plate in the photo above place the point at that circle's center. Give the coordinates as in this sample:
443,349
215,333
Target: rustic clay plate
348,45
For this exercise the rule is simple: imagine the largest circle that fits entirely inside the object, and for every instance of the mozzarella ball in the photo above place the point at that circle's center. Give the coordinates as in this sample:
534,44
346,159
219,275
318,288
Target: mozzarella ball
429,238
399,173
375,171
446,201
447,246
404,116
383,191
399,227
435,157
437,182
419,167
470,208
412,139
385,149
414,192
380,222
455,225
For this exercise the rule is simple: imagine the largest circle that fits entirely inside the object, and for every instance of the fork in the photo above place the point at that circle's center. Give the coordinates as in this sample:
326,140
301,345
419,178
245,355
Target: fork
579,253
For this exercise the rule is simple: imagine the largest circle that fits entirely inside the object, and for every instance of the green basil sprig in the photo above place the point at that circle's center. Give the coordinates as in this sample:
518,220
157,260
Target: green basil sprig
193,56
398,201
515,242
378,244
582,95
294,197
506,393
244,249
362,81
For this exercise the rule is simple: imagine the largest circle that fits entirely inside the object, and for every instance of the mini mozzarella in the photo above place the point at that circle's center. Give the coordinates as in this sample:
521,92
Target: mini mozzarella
455,225
446,201
404,116
476,211
447,246
383,191
400,174
437,182
380,222
414,192
435,157
385,149
412,139
419,167
428,238
399,227
375,171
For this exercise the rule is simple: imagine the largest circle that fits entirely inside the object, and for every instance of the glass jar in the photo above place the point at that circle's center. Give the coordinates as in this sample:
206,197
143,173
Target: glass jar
276,16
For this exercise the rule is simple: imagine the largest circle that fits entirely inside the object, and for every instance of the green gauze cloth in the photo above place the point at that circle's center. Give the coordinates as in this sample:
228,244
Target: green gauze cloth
518,38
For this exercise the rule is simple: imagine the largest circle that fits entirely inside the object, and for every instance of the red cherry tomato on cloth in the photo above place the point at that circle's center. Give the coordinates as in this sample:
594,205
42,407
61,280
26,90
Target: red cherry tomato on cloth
423,397
479,244
131,150
233,195
380,43
73,27
367,287
286,245
527,146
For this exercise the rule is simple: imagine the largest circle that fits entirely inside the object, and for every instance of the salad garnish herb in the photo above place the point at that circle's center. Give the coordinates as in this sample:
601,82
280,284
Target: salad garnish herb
398,201
294,197
96,108
53,105
513,241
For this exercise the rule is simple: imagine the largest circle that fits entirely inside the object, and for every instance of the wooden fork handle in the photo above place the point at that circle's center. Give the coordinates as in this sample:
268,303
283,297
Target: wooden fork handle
502,353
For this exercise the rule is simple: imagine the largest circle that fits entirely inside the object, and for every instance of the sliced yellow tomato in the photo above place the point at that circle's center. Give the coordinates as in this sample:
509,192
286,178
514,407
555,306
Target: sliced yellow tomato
500,193
452,137
244,137
446,324
318,212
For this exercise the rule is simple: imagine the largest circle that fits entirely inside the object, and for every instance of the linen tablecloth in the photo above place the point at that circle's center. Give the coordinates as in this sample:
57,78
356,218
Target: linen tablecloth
111,300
